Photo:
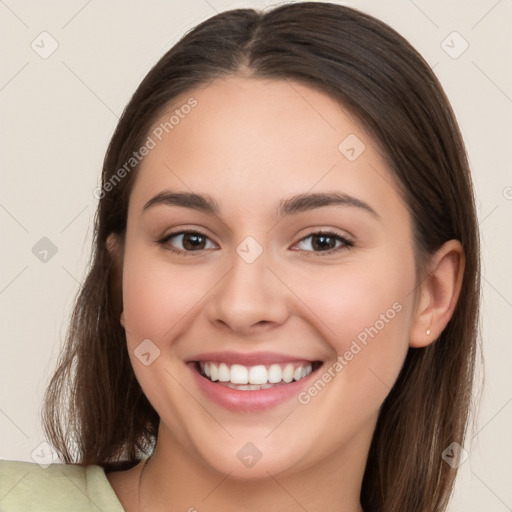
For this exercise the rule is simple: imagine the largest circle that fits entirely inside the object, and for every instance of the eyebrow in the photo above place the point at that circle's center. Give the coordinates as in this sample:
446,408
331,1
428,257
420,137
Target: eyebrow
293,205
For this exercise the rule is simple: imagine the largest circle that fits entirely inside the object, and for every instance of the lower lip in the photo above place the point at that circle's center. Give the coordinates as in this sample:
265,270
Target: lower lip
252,400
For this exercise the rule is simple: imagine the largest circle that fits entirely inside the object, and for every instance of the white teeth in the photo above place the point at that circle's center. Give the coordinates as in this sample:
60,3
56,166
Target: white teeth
239,374
255,377
288,373
249,387
275,374
223,372
258,375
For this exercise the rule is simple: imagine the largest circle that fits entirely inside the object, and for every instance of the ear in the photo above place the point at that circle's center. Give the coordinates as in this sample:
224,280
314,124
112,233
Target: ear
438,294
115,248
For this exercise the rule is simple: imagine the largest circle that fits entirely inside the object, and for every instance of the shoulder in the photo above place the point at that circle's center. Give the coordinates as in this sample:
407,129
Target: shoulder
26,486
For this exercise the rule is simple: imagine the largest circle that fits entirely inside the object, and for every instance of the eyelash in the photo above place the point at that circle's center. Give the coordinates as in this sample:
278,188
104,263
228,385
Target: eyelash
346,244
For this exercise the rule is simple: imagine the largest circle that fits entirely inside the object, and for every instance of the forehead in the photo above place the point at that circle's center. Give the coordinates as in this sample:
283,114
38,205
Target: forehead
255,140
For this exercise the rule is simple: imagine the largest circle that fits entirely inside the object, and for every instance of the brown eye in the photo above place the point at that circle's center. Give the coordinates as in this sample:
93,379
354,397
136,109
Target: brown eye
325,242
193,241
190,241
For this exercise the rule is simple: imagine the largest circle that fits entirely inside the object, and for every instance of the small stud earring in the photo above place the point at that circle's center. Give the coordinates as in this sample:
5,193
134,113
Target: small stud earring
428,331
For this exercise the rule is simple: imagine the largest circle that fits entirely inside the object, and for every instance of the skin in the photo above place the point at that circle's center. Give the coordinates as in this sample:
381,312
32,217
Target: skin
249,143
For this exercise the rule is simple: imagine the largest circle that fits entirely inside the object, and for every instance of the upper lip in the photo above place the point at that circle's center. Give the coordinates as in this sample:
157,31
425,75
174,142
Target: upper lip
249,359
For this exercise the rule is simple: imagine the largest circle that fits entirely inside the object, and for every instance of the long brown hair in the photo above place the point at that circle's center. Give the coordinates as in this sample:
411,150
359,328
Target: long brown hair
95,411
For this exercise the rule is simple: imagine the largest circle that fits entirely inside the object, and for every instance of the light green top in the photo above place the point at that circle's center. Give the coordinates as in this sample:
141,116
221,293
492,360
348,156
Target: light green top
27,486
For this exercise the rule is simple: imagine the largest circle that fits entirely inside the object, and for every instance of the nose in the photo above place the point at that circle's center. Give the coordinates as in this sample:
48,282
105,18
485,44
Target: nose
250,298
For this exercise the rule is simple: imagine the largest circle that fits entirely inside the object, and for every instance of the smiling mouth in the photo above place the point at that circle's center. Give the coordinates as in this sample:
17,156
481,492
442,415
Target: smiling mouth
257,377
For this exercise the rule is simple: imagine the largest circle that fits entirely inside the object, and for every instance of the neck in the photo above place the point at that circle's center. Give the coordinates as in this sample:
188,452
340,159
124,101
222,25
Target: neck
174,480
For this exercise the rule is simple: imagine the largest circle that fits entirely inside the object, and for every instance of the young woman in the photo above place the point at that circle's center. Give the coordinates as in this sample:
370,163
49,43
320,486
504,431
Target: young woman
281,312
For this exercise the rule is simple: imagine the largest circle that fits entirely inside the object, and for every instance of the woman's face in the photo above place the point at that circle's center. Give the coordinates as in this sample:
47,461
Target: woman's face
254,291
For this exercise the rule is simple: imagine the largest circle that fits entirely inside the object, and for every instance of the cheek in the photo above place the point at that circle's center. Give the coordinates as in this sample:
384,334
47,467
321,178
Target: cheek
364,312
349,300
156,297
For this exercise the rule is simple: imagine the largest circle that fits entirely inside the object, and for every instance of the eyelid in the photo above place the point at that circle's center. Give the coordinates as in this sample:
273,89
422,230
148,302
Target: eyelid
184,231
347,242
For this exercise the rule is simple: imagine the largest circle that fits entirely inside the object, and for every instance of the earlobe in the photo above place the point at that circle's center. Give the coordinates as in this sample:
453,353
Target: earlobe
112,245
115,248
439,293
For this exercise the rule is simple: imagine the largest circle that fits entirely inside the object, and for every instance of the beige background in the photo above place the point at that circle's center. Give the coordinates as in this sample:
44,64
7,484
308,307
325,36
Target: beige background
59,112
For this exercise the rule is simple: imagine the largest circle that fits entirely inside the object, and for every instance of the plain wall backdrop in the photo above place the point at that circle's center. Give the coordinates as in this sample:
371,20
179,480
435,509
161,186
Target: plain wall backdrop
67,71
